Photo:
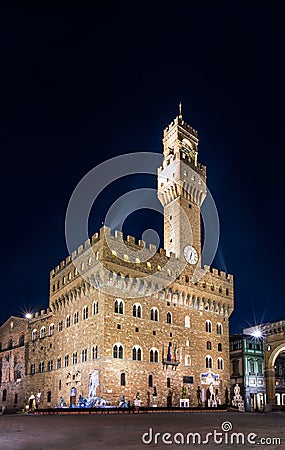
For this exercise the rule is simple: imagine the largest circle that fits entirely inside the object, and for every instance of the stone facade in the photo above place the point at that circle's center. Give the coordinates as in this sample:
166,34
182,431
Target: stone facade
124,318
13,362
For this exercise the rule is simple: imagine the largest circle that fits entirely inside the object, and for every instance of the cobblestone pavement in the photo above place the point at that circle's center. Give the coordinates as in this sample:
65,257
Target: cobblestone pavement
124,431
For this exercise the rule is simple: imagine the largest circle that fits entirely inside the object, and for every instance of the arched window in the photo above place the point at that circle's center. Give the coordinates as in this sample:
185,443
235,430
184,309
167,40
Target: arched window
209,362
137,353
41,367
219,328
74,358
85,313
10,343
118,351
51,329
187,322
33,369
119,306
187,360
220,348
154,314
75,317
68,322
208,326
48,396
168,382
58,363
84,355
50,366
209,345
43,332
220,364
21,340
66,361
123,379
153,355
137,310
150,380
251,366
259,367
168,318
95,352
95,308
60,325
4,395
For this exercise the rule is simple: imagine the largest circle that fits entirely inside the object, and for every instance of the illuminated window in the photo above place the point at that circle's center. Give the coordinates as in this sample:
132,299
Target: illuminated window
119,306
43,332
208,326
95,308
187,322
209,362
153,355
85,313
220,364
219,328
137,353
187,360
84,355
34,335
137,310
118,351
154,314
95,352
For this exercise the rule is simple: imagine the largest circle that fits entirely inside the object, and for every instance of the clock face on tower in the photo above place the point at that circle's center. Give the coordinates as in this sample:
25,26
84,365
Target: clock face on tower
190,254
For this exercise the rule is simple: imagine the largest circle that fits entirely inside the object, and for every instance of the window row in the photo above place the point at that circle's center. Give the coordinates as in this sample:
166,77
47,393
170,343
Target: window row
75,320
75,358
118,352
209,327
154,313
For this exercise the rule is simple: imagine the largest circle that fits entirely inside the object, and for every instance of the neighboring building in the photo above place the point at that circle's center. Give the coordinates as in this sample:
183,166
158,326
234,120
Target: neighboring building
247,369
13,363
124,319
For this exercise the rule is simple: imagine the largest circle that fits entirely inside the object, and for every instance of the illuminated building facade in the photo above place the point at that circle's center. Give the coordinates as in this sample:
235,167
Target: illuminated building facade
108,334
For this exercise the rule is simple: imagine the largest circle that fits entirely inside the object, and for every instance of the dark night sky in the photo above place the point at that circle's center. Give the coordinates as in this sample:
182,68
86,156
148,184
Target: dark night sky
80,85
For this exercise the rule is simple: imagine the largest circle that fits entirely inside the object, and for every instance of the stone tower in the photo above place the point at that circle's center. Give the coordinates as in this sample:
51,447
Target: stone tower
182,190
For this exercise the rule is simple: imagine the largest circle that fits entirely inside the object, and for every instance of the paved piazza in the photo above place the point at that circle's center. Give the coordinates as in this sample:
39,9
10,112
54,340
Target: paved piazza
125,431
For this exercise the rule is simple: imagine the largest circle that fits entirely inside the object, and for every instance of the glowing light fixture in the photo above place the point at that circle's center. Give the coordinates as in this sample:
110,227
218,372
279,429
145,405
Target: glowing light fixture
28,315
